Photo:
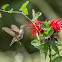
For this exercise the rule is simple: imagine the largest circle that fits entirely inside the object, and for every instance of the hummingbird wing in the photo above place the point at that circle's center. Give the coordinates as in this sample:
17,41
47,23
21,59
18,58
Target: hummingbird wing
13,40
14,28
9,31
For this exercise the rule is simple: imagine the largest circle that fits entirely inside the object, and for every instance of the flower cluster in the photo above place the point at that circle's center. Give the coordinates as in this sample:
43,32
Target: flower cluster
36,26
56,25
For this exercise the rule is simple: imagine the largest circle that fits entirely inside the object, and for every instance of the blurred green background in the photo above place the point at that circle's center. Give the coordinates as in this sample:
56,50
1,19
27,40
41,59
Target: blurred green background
26,52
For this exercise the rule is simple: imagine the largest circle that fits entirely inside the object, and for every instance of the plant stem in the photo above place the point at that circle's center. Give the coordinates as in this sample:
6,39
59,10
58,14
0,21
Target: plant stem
37,36
11,11
50,52
42,56
41,53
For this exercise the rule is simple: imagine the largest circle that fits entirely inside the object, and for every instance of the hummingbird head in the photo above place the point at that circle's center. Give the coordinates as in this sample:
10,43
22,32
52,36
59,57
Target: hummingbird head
23,26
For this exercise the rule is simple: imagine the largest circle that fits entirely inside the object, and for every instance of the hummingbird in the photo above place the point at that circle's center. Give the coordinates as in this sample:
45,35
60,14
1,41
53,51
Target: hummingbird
15,32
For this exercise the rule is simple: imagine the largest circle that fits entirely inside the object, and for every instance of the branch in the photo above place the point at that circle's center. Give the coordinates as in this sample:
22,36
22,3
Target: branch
16,12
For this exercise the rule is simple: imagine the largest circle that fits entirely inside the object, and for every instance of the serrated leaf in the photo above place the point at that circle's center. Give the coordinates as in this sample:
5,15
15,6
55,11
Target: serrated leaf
24,9
4,6
54,46
47,33
59,44
45,25
35,17
10,11
57,59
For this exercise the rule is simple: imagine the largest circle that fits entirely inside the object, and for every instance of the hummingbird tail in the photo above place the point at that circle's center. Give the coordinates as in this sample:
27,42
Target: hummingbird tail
12,41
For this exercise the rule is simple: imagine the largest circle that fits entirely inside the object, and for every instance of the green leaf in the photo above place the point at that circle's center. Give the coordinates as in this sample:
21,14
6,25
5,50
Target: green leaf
54,54
48,30
0,15
47,33
45,25
45,49
59,44
56,39
35,17
24,9
57,59
4,6
35,42
10,11
54,46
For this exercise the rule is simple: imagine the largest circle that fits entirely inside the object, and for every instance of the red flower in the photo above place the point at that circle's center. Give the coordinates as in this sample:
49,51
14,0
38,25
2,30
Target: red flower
56,25
36,27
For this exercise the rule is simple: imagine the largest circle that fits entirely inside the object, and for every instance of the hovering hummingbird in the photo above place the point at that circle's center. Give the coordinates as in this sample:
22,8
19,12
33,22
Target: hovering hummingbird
15,32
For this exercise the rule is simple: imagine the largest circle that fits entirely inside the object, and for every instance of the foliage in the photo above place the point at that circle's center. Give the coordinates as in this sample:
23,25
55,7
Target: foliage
24,9
57,59
54,46
35,43
47,33
4,6
10,11
35,17
45,25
